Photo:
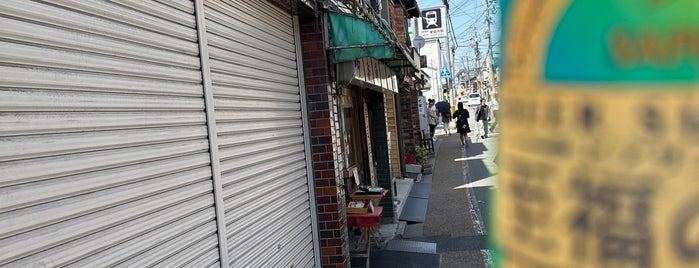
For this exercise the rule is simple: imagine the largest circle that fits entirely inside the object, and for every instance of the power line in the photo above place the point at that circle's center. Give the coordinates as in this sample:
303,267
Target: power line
469,16
472,24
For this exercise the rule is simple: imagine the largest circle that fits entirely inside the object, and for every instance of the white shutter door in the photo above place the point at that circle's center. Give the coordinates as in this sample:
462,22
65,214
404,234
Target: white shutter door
103,143
260,132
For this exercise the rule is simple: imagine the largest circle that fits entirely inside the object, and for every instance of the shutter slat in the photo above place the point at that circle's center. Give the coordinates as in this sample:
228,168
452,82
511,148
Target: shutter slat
72,60
260,135
104,149
52,15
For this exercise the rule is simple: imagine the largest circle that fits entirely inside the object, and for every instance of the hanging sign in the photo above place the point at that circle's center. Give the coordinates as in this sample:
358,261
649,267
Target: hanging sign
433,23
600,144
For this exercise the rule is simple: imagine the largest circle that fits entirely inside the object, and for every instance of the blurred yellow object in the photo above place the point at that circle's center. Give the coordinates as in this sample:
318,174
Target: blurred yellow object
600,135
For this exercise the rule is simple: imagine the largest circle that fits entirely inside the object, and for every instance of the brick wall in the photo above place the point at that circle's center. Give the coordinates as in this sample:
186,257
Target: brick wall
410,120
397,20
409,123
322,120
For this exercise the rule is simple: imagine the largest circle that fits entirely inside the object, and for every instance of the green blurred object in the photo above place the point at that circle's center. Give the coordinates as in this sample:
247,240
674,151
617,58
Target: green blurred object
593,34
353,38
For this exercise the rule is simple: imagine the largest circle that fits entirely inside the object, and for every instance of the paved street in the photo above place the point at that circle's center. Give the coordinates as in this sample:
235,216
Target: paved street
458,211
460,193
481,173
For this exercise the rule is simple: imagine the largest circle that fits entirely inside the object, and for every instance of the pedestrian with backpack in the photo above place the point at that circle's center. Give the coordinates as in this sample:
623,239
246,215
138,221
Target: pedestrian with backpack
482,117
444,109
461,115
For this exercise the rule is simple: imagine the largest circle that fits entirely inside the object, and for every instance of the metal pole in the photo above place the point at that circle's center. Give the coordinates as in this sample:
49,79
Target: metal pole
478,61
450,87
491,80
468,73
359,46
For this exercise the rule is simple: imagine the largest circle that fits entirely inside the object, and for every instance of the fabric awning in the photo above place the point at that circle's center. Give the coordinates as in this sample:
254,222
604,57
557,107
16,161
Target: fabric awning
354,38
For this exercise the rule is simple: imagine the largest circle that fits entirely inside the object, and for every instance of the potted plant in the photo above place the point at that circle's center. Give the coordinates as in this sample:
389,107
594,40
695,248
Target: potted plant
421,155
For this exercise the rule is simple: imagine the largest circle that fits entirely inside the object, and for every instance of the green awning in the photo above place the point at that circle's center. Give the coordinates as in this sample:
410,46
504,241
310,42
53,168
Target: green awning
353,38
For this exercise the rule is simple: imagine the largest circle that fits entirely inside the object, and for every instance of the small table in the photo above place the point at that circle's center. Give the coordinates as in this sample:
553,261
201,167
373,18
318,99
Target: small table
367,222
374,197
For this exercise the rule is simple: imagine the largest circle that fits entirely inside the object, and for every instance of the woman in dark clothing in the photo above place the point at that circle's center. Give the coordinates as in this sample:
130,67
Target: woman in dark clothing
461,116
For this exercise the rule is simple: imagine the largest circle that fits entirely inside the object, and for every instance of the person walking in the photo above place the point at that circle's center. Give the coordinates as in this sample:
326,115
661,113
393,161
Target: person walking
431,117
494,107
461,115
482,117
444,109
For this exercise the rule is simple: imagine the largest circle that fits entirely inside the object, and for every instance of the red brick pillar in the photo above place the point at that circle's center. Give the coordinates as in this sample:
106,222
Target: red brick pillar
322,117
410,119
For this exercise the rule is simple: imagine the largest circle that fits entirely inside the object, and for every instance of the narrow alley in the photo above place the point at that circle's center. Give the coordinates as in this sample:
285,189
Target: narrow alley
301,133
457,214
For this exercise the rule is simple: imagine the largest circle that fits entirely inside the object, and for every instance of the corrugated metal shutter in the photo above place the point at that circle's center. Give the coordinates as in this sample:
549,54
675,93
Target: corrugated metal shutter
260,132
103,142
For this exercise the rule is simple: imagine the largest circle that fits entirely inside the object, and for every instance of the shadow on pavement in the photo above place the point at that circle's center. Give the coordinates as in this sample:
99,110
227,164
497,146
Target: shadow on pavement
477,170
475,148
483,195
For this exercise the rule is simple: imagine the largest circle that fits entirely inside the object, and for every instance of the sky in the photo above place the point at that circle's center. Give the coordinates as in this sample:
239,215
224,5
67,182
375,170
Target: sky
468,17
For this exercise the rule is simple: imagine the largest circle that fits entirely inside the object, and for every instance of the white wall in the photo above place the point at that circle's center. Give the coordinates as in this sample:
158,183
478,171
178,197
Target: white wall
434,63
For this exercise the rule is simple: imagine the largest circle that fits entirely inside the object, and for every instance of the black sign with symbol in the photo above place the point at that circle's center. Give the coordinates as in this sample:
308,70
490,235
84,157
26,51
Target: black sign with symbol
431,19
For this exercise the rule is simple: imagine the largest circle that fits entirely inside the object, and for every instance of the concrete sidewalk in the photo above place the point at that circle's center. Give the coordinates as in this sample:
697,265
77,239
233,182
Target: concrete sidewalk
450,221
454,227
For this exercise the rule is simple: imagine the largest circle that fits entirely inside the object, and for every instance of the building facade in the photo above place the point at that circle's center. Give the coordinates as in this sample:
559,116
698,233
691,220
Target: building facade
147,133
365,100
193,133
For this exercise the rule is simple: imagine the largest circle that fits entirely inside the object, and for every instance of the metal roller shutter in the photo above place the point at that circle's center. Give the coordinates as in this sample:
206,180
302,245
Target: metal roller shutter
260,134
104,156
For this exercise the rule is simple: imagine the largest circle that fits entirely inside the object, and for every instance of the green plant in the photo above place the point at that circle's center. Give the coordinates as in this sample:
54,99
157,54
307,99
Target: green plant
421,155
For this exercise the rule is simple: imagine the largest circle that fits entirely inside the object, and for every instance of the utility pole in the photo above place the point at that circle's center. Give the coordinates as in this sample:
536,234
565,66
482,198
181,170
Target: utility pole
478,61
491,79
448,55
450,87
468,74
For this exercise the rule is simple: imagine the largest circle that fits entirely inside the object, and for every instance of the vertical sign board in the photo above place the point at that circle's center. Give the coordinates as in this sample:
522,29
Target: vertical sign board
421,103
600,143
433,22
422,112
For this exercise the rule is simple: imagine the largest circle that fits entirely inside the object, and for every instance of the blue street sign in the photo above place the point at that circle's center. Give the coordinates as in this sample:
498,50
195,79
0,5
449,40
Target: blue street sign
445,73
